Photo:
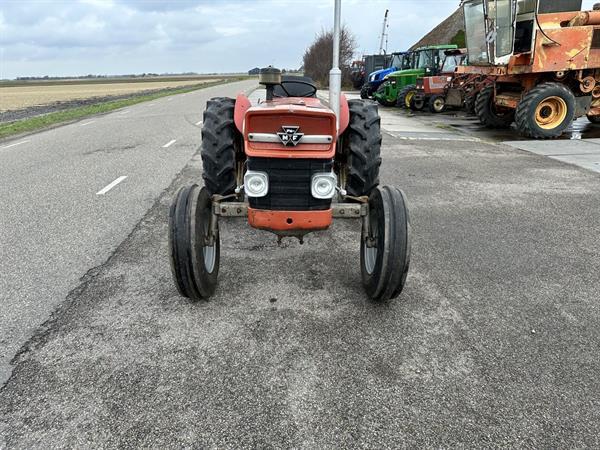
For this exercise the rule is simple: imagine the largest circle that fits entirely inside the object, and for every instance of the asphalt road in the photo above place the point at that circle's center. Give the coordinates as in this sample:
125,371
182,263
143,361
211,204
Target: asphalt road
55,228
494,342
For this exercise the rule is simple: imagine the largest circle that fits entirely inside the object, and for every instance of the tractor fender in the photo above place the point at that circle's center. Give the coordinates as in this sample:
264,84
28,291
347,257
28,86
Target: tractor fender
344,114
242,104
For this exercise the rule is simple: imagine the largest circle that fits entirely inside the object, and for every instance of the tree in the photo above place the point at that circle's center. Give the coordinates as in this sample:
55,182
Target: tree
318,57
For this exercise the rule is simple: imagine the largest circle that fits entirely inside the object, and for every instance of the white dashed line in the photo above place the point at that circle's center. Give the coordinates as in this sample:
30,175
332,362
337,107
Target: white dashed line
14,145
86,123
168,144
125,112
169,99
110,186
199,123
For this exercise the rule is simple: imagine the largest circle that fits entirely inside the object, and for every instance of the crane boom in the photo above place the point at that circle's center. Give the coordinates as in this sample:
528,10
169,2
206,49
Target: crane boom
383,49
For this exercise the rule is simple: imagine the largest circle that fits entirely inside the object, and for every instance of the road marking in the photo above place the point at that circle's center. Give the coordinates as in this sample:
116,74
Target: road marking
199,123
110,186
168,144
15,144
169,99
87,123
151,104
125,112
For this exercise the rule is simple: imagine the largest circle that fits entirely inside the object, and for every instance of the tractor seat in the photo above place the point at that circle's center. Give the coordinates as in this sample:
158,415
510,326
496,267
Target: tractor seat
295,89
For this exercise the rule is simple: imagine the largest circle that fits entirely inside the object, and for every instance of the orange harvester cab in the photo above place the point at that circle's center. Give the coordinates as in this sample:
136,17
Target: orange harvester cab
289,207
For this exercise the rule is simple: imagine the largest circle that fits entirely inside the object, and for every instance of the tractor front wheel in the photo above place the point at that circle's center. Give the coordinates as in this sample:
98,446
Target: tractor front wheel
437,104
406,95
385,252
365,91
194,258
546,111
489,115
417,103
381,96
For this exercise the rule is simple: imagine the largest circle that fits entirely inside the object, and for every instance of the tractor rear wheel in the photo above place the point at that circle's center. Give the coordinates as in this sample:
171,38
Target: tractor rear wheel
365,91
361,146
437,104
406,95
546,111
220,146
385,254
488,114
194,263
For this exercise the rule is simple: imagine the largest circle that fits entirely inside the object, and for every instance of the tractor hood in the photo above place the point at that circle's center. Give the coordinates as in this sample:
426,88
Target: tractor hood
406,73
293,127
380,74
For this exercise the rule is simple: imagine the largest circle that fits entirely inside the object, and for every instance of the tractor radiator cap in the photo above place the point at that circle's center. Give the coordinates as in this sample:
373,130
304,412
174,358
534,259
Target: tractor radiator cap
269,75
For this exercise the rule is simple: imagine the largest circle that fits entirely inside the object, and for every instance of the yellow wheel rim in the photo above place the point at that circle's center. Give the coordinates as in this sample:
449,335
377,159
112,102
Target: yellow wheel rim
408,98
551,113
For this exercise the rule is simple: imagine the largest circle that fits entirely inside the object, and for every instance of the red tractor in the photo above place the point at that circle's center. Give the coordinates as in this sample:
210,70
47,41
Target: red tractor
431,91
290,165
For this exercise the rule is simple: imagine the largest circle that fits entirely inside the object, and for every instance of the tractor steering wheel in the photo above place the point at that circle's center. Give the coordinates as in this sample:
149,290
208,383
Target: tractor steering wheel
310,92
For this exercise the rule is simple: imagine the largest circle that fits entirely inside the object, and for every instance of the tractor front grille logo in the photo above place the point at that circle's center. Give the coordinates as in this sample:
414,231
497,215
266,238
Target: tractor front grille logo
290,135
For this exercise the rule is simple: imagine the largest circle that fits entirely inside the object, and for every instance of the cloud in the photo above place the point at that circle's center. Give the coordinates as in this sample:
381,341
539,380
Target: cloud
123,36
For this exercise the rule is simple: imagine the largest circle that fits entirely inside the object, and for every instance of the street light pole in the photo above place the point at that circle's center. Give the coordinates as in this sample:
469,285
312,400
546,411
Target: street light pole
335,74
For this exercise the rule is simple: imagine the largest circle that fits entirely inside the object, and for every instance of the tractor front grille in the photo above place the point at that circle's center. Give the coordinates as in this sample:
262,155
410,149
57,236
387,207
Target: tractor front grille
289,183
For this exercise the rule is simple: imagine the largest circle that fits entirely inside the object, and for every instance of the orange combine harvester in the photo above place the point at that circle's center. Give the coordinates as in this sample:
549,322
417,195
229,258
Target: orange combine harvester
544,59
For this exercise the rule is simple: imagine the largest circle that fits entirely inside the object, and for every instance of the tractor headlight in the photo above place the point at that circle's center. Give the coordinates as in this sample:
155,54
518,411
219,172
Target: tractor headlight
323,185
256,184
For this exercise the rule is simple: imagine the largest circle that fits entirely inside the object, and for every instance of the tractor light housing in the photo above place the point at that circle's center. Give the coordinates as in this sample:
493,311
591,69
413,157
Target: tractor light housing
323,185
256,184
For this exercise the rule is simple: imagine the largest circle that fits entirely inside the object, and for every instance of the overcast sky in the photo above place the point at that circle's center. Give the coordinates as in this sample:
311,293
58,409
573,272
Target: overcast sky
77,37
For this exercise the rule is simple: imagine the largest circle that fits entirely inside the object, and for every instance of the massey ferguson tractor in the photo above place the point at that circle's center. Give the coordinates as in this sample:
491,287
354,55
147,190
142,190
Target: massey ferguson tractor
291,165
544,59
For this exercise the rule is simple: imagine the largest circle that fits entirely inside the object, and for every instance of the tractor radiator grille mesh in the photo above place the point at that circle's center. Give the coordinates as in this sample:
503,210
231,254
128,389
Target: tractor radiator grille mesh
289,183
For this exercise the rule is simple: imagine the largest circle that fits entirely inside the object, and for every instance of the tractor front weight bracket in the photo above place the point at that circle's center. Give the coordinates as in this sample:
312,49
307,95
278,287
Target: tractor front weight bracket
359,210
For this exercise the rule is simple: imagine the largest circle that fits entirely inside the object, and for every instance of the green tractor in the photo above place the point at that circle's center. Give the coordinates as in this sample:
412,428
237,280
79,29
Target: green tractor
399,85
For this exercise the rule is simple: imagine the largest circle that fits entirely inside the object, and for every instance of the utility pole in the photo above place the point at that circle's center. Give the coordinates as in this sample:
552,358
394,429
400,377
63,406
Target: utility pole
384,34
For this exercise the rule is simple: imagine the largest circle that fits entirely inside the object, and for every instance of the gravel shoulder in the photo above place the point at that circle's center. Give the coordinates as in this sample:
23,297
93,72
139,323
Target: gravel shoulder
493,343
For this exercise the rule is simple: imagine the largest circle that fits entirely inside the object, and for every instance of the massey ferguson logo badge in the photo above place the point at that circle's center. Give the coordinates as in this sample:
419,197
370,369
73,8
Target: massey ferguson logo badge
290,135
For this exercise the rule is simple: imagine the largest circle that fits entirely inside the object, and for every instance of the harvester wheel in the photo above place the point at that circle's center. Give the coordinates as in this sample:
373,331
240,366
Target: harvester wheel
361,145
220,140
437,104
194,263
406,95
385,254
594,119
365,91
487,112
470,101
546,111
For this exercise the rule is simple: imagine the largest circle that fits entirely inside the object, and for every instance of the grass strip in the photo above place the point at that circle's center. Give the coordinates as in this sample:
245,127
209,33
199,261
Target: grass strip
54,118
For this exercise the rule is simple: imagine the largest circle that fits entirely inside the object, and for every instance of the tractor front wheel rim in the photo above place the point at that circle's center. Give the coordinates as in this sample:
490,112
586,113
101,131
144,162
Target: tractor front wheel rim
551,113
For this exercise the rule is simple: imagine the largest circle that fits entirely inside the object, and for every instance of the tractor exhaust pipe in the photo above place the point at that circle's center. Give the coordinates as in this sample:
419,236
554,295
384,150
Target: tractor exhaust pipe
335,74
